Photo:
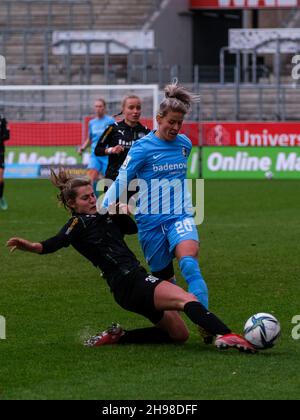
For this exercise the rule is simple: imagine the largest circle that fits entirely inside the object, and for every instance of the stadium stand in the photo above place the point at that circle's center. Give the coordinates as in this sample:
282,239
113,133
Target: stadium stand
26,41
75,14
249,103
45,14
27,27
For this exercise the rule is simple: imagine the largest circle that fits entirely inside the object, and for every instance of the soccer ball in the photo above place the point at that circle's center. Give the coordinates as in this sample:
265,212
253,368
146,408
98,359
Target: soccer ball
262,331
269,175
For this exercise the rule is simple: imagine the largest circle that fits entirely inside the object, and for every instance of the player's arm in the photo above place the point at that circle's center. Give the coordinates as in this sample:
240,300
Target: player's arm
24,245
88,141
49,246
104,148
135,160
84,146
62,240
125,223
121,216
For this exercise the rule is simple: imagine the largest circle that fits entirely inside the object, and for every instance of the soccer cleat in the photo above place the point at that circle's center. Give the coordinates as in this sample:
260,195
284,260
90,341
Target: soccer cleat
227,341
3,204
207,337
110,336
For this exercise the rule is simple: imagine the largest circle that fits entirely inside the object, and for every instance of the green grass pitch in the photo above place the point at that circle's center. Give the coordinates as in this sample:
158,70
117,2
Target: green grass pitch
250,260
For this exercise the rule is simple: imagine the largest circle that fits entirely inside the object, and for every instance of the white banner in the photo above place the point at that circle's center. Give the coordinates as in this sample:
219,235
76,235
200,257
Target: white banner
122,41
247,39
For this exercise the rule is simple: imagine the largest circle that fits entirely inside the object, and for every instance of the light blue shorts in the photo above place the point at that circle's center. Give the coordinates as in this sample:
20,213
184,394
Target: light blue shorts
99,163
159,243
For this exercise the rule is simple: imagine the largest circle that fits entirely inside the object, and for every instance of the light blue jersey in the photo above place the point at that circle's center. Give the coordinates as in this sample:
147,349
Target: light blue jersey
161,168
96,129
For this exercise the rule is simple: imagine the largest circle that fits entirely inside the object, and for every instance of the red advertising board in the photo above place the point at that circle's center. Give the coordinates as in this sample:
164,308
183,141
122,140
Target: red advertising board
241,134
45,134
251,134
242,4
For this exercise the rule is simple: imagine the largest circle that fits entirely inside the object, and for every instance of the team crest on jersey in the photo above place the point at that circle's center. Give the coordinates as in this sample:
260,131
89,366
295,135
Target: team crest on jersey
184,152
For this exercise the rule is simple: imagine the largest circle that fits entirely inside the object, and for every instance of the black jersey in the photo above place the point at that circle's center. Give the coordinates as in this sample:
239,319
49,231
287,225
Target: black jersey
99,238
4,134
120,134
2,148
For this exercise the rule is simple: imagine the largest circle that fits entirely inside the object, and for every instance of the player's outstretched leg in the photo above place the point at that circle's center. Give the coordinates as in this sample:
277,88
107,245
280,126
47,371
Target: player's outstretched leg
115,334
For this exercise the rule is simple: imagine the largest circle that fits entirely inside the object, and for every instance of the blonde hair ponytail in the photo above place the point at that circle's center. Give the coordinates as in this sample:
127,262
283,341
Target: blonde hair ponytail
177,99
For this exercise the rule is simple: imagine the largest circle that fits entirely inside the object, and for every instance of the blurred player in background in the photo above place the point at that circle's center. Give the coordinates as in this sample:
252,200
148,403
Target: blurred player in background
98,165
163,156
119,137
100,239
4,136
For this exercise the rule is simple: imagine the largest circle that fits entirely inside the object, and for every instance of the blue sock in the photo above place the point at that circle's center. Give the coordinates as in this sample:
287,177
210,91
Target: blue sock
196,284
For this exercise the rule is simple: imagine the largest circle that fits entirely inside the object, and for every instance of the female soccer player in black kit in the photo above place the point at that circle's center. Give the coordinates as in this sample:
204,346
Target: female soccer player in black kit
100,238
119,137
4,136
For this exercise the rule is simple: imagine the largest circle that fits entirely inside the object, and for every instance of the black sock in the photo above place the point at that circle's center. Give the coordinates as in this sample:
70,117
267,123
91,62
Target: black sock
150,335
1,189
201,316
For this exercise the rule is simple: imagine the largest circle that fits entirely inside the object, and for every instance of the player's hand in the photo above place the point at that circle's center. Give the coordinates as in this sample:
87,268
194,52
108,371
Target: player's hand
112,208
118,208
80,150
23,245
123,208
117,150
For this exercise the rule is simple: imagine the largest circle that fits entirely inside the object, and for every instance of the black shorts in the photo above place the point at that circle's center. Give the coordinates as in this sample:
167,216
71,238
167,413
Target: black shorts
166,274
135,293
1,160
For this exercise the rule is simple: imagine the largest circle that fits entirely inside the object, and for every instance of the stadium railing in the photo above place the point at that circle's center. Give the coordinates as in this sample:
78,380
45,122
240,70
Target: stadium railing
246,102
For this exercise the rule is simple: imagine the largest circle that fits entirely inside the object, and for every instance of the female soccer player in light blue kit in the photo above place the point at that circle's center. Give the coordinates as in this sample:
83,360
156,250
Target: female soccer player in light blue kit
160,159
97,126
